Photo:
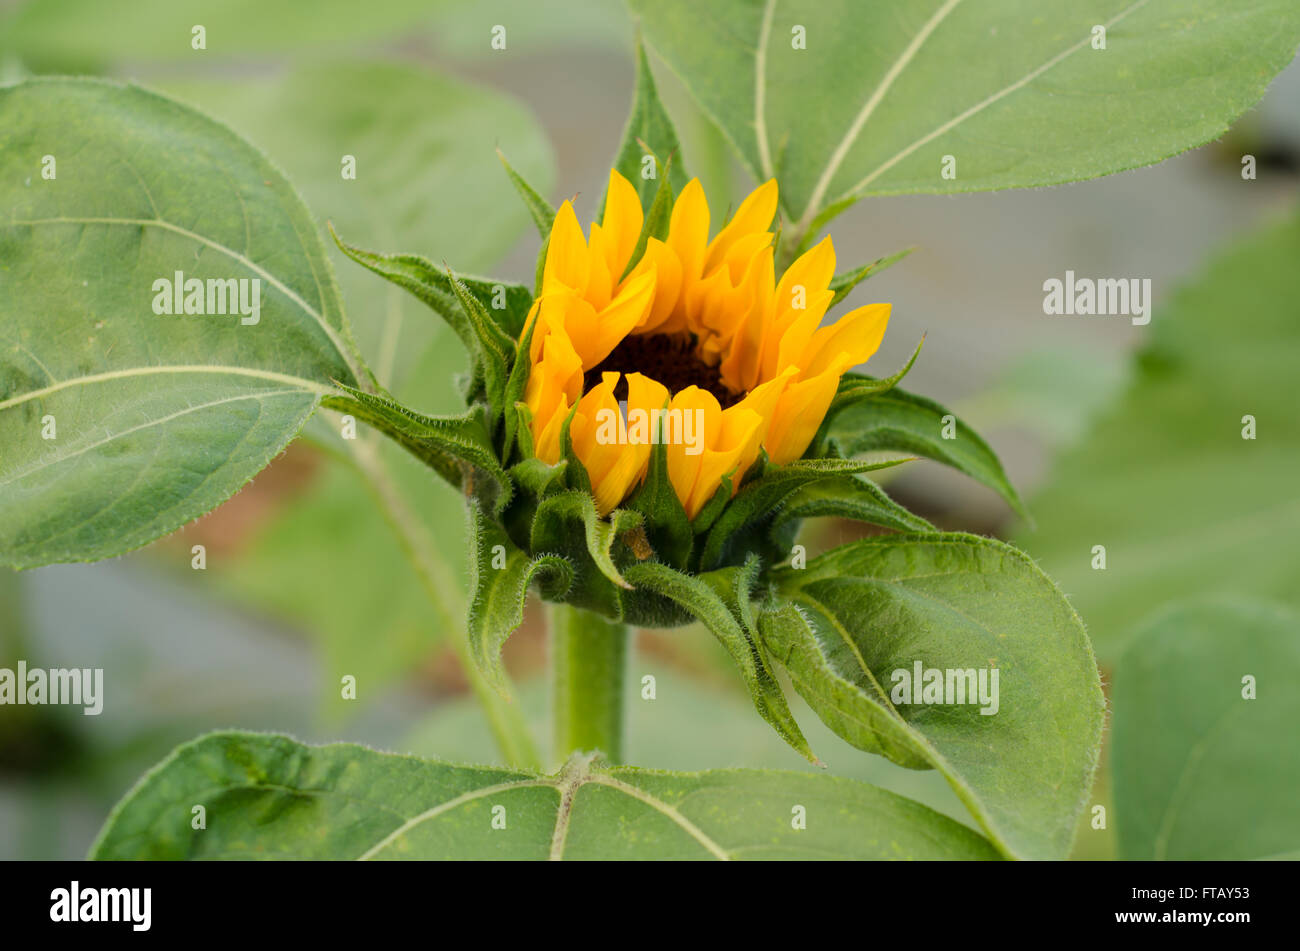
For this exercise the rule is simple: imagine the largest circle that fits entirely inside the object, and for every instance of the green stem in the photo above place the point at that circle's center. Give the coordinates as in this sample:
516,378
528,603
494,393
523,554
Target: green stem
588,667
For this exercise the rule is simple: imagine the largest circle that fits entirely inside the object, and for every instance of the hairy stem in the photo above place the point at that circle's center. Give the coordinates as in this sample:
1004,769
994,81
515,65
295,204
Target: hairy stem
588,667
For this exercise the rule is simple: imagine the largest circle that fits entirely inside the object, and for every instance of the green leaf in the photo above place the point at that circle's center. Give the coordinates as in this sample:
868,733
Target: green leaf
758,502
845,626
1013,90
843,284
720,600
897,421
267,796
157,419
848,497
434,286
657,219
649,128
456,447
540,209
495,348
1164,480
499,577
1200,771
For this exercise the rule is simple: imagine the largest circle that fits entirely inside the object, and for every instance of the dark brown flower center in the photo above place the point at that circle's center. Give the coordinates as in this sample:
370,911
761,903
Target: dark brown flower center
670,360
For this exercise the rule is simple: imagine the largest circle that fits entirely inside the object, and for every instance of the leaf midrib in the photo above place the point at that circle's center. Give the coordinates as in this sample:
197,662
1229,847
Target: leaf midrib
335,339
47,462
855,191
567,785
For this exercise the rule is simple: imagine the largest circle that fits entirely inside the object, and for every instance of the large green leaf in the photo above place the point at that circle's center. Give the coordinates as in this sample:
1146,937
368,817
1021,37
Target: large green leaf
1013,89
1201,771
269,797
847,623
157,419
1164,480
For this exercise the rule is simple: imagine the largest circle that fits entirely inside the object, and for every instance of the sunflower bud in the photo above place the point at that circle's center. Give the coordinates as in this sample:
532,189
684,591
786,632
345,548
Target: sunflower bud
700,328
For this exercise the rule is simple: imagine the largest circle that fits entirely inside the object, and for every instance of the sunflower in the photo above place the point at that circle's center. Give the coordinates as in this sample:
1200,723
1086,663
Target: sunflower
697,327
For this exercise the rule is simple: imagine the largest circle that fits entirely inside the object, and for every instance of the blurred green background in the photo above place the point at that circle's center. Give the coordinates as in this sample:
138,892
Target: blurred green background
1117,435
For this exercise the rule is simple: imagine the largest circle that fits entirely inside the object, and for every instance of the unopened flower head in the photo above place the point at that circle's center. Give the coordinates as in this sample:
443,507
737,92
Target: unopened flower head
699,327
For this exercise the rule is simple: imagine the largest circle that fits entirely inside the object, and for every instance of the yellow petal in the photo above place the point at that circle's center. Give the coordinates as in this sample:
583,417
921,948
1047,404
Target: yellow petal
645,394
685,459
600,441
741,367
688,230
660,258
734,451
799,413
546,436
764,398
554,382
813,270
567,261
621,223
616,321
754,215
857,334
601,277
597,425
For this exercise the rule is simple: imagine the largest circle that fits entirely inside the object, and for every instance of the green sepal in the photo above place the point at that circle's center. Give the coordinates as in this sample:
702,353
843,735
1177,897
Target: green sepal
855,387
858,710
433,286
537,478
496,348
655,222
649,130
842,284
539,269
898,421
552,529
516,383
667,528
459,448
712,509
499,578
720,600
739,526
565,524
848,496
538,207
